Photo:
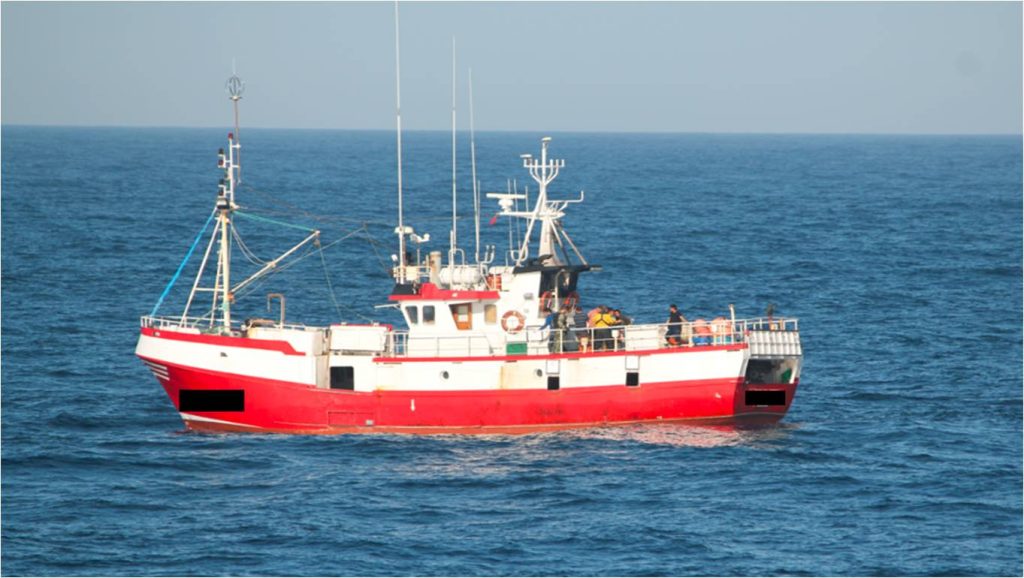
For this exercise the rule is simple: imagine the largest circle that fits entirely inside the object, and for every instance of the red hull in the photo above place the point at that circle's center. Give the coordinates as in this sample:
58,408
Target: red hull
283,407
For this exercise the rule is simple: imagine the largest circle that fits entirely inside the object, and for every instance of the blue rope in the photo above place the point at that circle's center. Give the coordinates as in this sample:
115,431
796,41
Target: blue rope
182,266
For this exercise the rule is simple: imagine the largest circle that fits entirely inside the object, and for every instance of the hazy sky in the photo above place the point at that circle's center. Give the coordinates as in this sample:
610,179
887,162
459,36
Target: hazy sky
710,67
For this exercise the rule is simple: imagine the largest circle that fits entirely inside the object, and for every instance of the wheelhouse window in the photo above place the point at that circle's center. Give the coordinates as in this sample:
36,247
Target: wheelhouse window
490,314
428,314
412,312
461,313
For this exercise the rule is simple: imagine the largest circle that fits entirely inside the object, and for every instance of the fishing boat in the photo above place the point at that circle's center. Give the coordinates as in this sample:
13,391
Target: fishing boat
486,347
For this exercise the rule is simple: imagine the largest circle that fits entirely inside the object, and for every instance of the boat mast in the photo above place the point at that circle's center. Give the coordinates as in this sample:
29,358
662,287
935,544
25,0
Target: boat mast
226,205
454,234
543,172
400,277
472,157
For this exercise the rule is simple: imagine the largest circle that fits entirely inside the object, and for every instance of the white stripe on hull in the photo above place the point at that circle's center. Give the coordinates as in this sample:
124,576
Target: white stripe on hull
485,374
258,363
159,371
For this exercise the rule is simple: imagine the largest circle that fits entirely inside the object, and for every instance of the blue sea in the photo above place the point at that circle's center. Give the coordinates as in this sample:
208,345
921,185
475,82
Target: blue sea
900,255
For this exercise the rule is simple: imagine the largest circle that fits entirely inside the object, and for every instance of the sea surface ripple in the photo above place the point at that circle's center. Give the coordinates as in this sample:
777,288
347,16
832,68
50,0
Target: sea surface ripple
901,255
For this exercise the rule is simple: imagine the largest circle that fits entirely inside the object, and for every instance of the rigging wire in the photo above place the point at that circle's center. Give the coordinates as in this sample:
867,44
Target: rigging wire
327,277
373,245
294,210
246,252
256,217
309,251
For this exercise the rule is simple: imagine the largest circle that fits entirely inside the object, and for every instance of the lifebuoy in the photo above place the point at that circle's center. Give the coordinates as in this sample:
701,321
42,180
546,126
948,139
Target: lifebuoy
517,326
570,301
547,301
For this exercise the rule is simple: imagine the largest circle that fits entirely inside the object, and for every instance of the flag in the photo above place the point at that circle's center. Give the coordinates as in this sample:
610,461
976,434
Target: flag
494,219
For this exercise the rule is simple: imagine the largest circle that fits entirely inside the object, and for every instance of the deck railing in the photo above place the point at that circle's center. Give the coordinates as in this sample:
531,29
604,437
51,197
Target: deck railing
535,340
203,325
766,336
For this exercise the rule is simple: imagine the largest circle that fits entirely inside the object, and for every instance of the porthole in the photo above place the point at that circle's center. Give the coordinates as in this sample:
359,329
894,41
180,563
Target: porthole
538,373
444,375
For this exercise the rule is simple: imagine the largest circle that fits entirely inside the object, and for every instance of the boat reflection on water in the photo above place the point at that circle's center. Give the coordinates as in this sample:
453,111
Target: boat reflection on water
689,435
535,457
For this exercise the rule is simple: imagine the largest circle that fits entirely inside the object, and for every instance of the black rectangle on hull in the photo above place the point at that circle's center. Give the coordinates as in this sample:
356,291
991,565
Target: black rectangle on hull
211,400
765,397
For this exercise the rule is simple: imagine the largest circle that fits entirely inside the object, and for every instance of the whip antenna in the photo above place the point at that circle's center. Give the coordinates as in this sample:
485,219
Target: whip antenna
455,226
398,121
472,157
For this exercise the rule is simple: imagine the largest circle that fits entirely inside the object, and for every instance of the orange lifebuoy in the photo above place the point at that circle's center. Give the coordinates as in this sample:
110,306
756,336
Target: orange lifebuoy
570,301
547,301
520,322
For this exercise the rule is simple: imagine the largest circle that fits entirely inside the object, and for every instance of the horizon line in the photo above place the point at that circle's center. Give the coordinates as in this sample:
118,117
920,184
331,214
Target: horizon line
516,131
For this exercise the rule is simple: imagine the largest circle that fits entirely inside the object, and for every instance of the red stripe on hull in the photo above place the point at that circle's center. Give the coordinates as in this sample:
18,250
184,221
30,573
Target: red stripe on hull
277,406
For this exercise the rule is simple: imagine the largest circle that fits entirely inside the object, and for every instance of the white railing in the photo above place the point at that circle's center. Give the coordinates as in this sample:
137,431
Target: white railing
176,322
767,337
534,340
203,324
400,344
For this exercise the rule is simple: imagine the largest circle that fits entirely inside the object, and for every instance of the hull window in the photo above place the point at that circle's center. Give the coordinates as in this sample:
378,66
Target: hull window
553,383
632,378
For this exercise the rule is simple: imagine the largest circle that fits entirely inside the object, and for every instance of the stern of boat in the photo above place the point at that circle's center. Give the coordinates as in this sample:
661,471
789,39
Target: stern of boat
772,373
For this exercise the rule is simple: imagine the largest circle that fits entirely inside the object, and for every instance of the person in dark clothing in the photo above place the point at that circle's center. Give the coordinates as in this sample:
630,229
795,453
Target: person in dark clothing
620,333
551,323
674,335
549,319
